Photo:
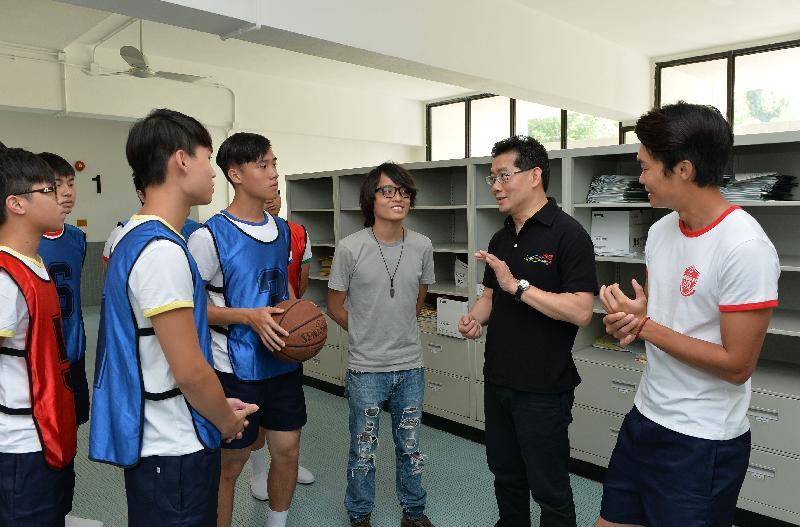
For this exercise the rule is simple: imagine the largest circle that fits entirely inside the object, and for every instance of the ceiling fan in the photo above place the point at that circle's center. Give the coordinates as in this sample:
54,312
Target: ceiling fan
139,66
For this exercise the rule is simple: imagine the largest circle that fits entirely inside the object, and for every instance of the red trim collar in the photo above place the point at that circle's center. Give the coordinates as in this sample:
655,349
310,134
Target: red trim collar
694,234
55,234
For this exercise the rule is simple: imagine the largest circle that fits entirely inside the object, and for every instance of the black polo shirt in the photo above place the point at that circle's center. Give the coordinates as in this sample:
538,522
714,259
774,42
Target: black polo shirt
525,349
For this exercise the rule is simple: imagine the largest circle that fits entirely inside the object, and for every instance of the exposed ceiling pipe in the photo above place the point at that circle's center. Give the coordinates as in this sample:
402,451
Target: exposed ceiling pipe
110,35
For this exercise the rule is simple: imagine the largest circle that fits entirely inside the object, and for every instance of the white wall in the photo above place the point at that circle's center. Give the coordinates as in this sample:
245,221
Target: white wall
312,127
99,144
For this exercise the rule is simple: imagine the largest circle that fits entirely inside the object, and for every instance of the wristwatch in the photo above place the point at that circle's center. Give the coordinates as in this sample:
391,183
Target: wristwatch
522,286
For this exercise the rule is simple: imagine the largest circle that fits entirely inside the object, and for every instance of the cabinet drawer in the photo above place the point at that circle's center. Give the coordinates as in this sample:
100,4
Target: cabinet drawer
445,354
774,422
328,362
772,479
480,358
447,392
606,387
594,431
478,395
333,332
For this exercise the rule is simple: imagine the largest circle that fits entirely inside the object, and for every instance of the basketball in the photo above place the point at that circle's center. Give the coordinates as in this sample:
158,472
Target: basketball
307,329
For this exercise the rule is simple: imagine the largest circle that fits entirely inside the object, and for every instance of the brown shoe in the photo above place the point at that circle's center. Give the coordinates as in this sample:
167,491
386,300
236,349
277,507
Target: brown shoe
422,521
363,522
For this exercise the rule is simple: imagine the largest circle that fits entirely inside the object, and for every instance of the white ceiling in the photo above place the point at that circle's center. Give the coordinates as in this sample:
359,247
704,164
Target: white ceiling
45,24
55,25
650,27
657,28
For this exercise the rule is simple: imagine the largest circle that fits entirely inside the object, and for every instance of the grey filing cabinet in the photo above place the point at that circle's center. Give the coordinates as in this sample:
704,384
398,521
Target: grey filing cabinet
456,209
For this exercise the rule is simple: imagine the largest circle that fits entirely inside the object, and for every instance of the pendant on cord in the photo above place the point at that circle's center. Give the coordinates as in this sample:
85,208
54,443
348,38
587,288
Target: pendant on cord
391,288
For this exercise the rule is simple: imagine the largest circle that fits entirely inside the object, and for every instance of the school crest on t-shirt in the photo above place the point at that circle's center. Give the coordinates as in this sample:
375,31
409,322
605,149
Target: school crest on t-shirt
689,280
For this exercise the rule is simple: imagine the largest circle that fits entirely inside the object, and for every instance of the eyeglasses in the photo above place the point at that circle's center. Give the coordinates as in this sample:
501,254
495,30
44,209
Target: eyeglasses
44,190
503,177
389,191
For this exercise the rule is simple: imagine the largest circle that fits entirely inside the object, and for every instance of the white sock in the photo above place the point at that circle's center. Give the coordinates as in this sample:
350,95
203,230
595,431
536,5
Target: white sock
258,460
276,519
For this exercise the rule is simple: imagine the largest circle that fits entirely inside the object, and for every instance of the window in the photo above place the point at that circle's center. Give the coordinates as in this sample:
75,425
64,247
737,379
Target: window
587,130
763,96
470,126
699,83
766,96
446,128
543,123
488,123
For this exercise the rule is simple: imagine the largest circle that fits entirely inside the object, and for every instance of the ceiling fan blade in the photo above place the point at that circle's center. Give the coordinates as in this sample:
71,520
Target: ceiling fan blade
180,77
133,56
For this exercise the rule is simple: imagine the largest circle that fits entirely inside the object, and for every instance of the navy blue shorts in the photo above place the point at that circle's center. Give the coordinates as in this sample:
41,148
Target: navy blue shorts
174,491
33,494
281,403
80,389
657,476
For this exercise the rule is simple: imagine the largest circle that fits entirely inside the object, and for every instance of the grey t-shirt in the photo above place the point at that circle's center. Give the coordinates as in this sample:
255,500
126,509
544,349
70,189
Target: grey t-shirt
383,331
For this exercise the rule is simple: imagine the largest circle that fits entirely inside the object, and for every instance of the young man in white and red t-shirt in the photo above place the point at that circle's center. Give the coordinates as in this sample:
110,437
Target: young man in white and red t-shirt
712,284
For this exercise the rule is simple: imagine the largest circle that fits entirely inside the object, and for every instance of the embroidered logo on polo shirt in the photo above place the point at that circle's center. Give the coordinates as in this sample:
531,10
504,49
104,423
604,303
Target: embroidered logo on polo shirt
689,281
545,258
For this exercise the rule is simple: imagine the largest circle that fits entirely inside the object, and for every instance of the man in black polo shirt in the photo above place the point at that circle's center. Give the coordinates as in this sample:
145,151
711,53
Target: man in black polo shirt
539,287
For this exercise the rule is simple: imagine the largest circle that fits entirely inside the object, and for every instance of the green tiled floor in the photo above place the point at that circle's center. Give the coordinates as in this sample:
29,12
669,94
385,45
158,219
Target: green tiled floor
459,484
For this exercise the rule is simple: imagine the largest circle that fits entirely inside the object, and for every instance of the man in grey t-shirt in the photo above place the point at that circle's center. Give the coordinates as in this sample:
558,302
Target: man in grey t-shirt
378,282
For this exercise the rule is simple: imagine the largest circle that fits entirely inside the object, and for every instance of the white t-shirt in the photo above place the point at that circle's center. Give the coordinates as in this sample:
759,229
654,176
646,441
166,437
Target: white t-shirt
161,281
202,247
108,247
307,252
17,432
693,277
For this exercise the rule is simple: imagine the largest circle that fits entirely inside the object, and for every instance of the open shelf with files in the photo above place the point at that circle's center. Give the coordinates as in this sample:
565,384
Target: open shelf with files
457,210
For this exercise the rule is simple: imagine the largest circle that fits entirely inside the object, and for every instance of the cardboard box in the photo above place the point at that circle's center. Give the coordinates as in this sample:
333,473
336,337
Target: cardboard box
620,232
448,313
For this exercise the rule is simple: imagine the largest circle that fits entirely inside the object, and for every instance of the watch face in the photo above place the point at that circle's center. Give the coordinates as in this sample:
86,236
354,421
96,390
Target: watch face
524,284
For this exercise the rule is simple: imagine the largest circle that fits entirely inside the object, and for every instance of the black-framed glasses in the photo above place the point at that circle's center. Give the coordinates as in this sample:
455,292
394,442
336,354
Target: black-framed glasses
43,190
503,177
389,191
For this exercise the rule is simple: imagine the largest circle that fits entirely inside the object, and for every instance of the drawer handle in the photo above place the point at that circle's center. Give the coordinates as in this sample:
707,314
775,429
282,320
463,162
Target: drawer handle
434,348
435,386
622,386
760,472
762,415
614,431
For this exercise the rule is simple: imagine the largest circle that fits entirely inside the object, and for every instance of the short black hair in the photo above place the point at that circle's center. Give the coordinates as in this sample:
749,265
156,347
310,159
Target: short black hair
152,140
530,154
241,148
693,132
137,183
58,164
19,171
399,176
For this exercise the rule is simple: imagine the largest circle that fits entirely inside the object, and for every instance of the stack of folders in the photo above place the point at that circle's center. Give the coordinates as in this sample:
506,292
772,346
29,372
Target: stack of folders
759,186
427,319
616,188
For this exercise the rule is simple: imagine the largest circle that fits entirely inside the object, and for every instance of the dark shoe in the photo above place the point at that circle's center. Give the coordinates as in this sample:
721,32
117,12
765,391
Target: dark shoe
422,521
363,522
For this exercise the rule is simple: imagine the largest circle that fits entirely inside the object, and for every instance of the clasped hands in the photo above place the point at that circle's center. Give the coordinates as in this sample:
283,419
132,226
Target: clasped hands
626,316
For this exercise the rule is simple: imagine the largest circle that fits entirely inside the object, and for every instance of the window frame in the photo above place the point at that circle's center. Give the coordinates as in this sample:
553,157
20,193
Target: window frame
730,56
468,121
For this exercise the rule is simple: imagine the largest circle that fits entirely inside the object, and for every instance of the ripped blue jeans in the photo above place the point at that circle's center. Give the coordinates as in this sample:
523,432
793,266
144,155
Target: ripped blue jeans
366,393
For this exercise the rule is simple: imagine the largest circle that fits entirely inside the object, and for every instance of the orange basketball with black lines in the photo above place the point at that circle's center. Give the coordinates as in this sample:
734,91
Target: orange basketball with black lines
307,329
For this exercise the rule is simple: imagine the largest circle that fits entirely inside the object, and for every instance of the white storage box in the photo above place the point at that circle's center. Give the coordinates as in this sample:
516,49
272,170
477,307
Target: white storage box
448,313
620,232
459,273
